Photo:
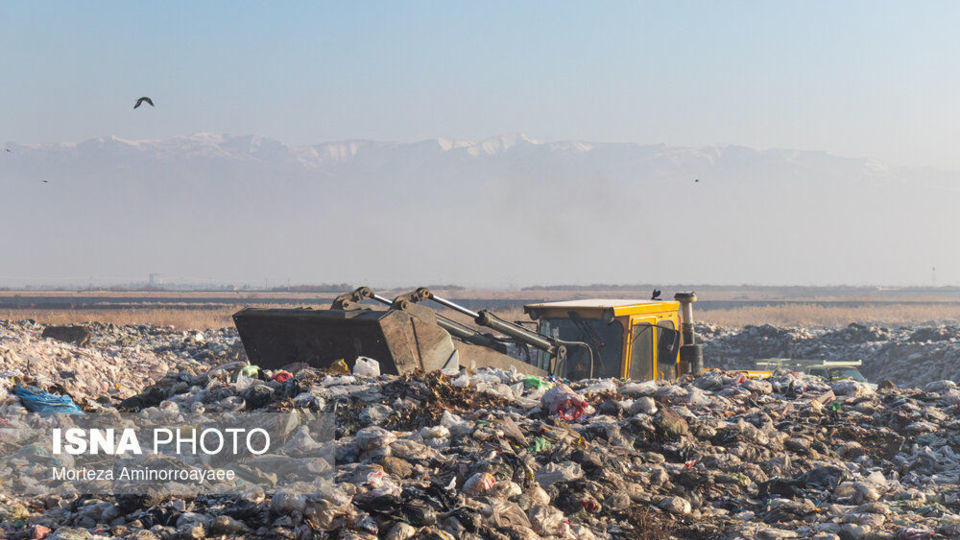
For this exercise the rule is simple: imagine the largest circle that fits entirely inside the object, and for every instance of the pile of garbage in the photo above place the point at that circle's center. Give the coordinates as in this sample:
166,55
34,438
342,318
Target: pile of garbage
110,361
910,356
497,454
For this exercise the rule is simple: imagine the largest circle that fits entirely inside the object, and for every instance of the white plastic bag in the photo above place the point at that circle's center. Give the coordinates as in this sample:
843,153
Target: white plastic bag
366,367
551,473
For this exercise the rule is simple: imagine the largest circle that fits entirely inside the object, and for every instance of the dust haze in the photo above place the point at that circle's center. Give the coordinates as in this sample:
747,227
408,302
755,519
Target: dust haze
504,212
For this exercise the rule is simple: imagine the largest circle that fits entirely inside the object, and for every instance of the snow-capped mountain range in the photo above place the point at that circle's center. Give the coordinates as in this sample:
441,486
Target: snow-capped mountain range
503,210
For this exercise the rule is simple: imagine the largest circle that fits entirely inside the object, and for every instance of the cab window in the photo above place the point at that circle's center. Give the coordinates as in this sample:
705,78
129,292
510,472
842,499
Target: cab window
668,343
604,338
641,356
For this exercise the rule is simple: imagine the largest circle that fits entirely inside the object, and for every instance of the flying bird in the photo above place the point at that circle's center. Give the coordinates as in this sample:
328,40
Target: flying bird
697,180
44,181
142,100
7,149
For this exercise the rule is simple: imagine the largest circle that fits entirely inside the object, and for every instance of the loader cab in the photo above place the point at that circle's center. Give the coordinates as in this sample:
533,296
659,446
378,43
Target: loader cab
632,339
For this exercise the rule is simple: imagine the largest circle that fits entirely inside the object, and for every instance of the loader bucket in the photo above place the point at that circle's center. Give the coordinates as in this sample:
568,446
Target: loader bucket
400,342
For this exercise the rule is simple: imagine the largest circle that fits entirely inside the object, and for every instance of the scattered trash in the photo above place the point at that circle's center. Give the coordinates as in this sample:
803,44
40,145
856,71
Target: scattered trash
708,457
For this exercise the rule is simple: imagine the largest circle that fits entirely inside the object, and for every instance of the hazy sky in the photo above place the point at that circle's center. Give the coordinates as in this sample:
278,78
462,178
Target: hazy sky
857,78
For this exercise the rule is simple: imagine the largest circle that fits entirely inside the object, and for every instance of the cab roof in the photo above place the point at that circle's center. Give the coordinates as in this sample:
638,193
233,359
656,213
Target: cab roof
619,307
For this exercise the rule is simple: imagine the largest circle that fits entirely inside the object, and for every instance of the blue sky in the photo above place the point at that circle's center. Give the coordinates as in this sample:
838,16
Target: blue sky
857,78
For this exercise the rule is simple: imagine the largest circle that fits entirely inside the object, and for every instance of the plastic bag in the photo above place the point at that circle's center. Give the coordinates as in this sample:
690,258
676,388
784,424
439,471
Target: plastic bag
372,437
644,388
435,432
366,367
381,485
479,483
38,401
601,387
546,520
249,371
531,382
540,444
564,402
506,514
242,382
551,473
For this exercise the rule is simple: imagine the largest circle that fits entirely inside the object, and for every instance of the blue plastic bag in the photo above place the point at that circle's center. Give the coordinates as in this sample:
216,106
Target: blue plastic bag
38,401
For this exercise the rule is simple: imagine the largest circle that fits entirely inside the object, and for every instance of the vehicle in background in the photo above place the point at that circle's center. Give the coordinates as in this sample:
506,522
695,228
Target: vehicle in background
830,371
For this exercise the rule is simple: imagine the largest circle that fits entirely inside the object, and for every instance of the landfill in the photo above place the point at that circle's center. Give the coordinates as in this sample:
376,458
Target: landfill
498,454
910,356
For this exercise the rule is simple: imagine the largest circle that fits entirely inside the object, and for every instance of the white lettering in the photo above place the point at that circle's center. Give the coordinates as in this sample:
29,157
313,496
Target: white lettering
101,440
156,438
234,431
83,475
204,446
266,439
129,443
191,440
77,443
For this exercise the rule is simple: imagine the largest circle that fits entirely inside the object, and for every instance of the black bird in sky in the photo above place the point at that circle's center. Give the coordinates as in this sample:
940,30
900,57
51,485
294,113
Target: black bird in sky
142,100
7,149
655,295
44,181
697,180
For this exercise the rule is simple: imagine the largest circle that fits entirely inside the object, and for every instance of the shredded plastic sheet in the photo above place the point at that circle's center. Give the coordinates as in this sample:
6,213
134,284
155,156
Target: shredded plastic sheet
38,401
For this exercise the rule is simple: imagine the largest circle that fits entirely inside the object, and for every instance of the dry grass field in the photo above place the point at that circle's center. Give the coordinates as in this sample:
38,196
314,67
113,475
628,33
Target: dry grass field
827,307
808,315
179,318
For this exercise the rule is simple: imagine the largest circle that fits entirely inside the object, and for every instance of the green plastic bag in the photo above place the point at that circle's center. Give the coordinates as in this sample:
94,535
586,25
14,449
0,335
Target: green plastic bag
531,382
249,371
540,444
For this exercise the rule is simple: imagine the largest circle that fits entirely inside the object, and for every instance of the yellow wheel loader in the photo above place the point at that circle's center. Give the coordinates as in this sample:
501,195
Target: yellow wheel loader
576,339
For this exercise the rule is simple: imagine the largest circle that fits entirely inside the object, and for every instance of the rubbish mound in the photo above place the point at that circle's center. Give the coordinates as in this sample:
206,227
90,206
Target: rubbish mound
497,454
909,356
113,361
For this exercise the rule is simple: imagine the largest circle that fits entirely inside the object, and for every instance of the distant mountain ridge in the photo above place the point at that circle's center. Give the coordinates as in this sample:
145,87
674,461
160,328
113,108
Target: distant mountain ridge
219,145
506,210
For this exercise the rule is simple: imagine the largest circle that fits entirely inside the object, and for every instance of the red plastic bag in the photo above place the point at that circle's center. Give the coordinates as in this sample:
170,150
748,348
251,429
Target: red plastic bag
564,402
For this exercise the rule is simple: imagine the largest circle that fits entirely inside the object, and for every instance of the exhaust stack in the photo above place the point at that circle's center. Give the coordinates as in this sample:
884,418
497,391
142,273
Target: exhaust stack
691,353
